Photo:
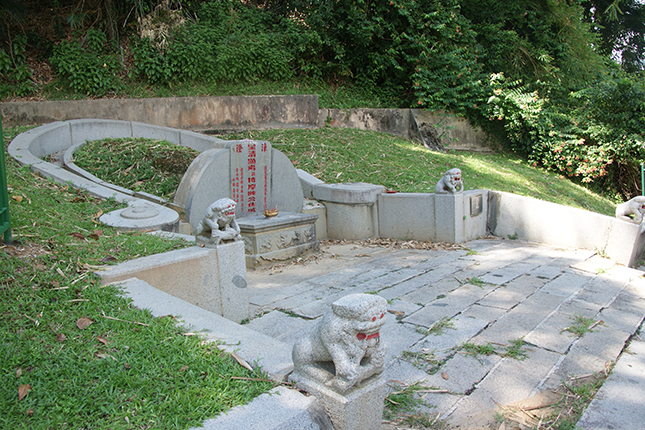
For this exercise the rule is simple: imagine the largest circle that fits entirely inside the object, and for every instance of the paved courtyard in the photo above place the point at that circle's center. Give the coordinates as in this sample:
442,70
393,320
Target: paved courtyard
448,307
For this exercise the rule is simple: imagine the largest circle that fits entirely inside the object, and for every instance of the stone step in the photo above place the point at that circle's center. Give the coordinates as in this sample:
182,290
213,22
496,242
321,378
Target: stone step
259,350
280,409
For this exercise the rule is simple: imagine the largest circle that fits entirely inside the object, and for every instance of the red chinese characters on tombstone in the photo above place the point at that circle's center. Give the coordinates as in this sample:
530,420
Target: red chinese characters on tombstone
250,188
266,174
235,185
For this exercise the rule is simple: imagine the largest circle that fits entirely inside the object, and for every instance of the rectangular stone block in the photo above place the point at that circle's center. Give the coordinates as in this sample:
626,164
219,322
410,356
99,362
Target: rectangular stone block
406,216
213,279
231,271
449,217
360,409
284,236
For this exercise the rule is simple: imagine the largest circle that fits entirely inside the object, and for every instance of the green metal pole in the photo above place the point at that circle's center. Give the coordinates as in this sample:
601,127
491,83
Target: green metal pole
642,179
5,224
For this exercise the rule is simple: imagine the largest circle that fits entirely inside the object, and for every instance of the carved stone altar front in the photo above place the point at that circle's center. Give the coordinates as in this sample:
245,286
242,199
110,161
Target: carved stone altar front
282,237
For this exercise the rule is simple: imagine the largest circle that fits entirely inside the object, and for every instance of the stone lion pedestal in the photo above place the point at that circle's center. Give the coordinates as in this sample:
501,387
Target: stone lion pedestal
361,408
340,361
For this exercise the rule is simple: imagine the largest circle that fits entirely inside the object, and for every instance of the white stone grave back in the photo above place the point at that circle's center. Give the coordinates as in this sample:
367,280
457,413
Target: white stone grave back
252,173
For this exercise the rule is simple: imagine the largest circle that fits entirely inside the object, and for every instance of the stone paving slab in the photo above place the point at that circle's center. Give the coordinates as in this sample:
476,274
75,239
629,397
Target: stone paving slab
447,307
303,298
462,372
275,295
511,381
589,354
602,290
508,273
460,330
554,333
429,292
620,404
539,296
547,271
520,320
566,284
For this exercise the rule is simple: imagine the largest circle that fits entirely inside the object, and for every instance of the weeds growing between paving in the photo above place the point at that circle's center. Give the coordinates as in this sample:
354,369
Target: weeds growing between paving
73,353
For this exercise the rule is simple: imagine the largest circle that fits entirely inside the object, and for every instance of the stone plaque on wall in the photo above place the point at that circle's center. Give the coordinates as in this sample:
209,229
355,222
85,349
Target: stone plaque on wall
476,205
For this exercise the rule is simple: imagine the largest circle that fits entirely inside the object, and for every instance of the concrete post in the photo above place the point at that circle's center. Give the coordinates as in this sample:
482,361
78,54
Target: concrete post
449,217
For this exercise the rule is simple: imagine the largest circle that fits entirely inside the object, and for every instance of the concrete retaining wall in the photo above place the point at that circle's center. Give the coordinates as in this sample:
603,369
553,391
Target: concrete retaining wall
248,113
538,221
229,113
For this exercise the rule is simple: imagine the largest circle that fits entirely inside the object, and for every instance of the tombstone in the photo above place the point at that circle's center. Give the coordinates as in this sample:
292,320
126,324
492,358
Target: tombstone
259,179
341,360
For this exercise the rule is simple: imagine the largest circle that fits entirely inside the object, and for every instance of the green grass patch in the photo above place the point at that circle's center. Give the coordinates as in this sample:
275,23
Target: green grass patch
347,155
152,166
124,370
403,406
474,350
439,327
476,281
514,350
424,360
343,155
581,325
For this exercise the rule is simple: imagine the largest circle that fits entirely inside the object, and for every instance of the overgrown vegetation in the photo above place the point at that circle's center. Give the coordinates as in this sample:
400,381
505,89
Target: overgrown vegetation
343,155
404,404
75,354
559,83
153,166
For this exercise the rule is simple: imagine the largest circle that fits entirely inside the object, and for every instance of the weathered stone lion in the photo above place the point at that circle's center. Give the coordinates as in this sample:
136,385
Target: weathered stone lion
219,223
344,347
635,207
449,183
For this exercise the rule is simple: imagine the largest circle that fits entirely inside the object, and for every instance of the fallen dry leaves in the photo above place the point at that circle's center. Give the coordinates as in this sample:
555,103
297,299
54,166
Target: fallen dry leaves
83,323
23,390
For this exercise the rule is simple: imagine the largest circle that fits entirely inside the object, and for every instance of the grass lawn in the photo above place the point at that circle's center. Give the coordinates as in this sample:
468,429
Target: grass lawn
342,155
74,354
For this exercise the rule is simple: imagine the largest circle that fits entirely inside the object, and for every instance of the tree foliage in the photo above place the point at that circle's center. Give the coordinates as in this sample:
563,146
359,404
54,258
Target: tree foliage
542,76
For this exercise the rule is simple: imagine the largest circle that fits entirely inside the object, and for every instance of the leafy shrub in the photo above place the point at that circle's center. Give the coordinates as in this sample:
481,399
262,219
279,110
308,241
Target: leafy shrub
231,42
596,138
85,66
15,74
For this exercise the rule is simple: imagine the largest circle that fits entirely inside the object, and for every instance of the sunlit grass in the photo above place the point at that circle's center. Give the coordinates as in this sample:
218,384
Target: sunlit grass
346,155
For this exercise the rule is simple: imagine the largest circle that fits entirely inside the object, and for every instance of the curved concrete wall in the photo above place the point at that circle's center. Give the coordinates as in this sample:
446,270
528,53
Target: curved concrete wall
30,148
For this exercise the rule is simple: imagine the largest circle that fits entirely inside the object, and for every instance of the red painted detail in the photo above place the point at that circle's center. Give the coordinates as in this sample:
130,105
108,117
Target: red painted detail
363,336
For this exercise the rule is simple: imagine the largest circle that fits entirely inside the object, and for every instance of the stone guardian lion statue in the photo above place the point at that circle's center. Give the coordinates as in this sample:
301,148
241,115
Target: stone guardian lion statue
344,348
450,183
219,223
